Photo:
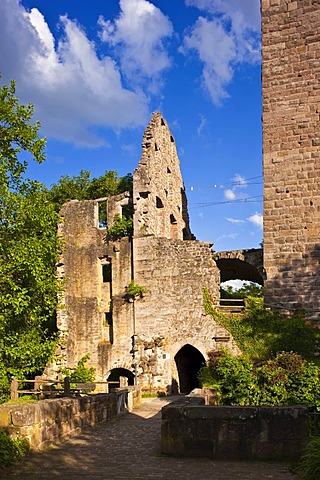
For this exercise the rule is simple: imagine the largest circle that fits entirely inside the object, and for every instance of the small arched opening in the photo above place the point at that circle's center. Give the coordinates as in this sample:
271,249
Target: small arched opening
189,361
115,375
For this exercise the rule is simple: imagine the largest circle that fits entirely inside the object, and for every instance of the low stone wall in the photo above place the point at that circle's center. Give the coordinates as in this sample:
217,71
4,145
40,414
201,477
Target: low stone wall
48,422
261,433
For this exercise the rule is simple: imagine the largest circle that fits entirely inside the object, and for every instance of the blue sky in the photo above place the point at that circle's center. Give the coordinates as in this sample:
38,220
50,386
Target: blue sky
95,71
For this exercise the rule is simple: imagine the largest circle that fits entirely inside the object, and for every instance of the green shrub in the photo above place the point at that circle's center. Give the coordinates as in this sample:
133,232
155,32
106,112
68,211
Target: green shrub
82,373
309,465
122,227
135,290
261,333
11,450
287,379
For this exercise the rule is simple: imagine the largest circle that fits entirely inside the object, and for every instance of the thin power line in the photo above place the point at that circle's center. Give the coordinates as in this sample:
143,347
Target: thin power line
253,199
238,183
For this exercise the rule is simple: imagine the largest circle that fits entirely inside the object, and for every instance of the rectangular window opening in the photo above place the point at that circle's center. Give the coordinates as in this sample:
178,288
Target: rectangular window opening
106,272
103,214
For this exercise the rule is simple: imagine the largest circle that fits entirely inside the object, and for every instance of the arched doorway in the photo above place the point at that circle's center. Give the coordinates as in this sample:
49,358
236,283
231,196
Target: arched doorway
189,361
115,375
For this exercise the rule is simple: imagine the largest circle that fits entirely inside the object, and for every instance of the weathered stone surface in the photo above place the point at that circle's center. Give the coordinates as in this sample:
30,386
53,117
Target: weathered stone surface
49,422
264,433
291,93
141,336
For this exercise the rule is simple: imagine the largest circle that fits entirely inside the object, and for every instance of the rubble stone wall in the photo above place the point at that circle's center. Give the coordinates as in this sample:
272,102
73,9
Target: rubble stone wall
171,313
90,304
160,203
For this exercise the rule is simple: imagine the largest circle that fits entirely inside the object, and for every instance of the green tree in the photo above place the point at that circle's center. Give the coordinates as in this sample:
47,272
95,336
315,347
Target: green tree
81,187
248,289
17,135
28,248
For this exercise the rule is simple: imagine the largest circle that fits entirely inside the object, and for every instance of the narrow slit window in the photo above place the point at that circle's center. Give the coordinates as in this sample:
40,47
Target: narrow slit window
159,203
106,272
103,214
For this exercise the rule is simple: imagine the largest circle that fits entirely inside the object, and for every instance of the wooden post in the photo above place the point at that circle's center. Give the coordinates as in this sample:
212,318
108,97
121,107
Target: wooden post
14,389
66,387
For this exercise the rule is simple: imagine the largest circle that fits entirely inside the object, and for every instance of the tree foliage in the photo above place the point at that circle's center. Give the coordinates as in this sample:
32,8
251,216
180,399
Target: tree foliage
81,373
28,249
122,227
286,379
248,289
17,135
81,187
261,333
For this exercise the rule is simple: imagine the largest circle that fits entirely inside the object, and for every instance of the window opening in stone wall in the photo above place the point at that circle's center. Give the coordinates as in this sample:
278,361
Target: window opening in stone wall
156,147
171,139
162,122
144,194
173,227
159,203
127,211
102,206
168,170
106,272
109,323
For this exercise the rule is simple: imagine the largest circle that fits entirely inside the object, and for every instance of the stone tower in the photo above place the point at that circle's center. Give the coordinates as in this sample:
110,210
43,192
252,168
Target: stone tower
291,153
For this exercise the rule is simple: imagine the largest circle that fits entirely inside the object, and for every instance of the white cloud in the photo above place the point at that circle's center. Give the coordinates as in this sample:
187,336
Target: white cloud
225,35
235,220
74,91
202,125
256,219
138,35
235,284
229,194
239,181
245,14
228,235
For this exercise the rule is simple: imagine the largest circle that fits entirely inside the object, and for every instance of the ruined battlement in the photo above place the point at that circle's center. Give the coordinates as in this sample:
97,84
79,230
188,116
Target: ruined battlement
160,202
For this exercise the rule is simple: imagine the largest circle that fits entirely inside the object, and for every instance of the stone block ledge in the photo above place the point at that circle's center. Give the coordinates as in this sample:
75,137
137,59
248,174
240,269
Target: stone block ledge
232,432
48,422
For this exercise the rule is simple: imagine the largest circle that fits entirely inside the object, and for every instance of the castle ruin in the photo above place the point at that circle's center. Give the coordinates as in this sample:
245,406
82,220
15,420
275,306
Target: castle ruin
160,340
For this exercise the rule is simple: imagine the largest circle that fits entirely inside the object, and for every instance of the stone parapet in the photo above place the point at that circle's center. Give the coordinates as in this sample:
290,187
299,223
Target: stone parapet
49,422
262,433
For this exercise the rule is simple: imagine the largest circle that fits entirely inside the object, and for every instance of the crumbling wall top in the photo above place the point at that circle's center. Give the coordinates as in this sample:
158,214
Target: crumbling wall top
160,203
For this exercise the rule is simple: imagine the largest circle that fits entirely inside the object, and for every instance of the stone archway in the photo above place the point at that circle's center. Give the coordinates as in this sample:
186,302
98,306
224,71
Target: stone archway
116,373
241,265
188,361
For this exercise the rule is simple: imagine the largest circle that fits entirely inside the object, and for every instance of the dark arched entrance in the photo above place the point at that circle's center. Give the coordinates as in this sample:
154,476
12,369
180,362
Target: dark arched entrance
189,361
115,375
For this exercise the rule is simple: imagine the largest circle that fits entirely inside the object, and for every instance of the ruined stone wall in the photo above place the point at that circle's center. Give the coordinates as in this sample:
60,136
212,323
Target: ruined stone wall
94,317
291,148
171,314
160,203
143,335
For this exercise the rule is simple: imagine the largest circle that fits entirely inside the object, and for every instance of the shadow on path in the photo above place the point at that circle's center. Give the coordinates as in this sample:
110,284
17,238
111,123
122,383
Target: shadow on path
129,448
